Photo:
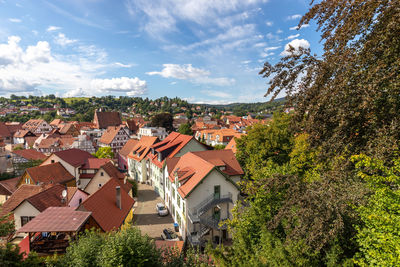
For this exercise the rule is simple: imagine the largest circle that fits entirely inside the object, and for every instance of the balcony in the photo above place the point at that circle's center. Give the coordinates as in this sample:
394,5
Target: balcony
205,205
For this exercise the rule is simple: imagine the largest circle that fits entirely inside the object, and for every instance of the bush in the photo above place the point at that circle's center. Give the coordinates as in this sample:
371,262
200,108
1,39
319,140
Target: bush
134,187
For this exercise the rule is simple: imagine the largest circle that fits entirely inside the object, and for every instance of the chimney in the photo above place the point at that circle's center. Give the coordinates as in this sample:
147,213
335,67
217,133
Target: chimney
118,190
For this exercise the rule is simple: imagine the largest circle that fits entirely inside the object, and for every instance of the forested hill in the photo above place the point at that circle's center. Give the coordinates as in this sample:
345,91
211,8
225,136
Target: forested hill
15,108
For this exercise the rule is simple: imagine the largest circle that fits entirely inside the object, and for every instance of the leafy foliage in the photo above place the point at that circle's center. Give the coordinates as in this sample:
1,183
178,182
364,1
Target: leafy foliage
185,128
10,257
379,233
104,153
163,120
7,226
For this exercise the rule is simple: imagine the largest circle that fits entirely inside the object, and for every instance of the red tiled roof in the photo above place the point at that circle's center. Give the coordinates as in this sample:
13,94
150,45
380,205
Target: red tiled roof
52,173
103,206
32,124
132,125
127,148
94,163
7,187
4,130
222,158
109,135
143,147
30,154
23,133
105,119
169,147
193,167
30,140
63,141
50,197
112,171
23,192
57,219
56,122
74,156
66,127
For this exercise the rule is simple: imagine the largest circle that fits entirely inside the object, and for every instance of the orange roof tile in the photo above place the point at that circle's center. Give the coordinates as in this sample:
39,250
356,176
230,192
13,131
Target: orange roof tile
103,206
109,135
49,174
7,187
30,154
127,148
105,119
193,167
142,148
94,163
23,192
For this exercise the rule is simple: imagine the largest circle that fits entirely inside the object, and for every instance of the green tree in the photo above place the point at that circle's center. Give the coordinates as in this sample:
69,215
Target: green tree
185,128
10,256
7,226
379,233
163,120
104,153
129,248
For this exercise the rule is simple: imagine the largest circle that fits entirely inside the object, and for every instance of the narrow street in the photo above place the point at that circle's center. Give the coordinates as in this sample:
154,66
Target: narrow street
145,215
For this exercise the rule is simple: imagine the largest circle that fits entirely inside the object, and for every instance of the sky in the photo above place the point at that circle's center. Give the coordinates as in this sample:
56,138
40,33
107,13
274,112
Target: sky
203,51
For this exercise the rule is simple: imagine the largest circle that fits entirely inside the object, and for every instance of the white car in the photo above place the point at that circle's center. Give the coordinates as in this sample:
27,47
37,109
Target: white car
161,209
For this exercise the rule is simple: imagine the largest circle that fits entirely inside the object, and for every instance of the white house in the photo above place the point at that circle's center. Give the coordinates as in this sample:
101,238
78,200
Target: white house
159,132
137,160
201,191
174,145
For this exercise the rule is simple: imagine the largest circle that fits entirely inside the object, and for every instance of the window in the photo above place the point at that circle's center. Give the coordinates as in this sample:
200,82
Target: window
25,219
99,185
101,173
52,161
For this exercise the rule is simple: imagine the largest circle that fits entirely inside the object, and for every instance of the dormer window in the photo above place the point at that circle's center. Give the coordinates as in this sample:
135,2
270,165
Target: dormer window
222,168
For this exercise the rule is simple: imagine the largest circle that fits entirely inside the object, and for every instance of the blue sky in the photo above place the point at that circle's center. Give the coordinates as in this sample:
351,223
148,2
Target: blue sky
204,51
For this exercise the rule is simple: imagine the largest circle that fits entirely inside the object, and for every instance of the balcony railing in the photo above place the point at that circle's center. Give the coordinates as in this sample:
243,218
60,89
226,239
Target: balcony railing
206,204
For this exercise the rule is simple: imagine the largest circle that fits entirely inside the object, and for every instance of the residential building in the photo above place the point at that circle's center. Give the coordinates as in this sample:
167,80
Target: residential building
48,145
216,137
21,157
137,159
174,145
201,190
7,188
37,126
53,173
111,207
124,152
71,159
88,170
85,143
232,144
69,129
20,135
103,120
114,137
158,132
105,173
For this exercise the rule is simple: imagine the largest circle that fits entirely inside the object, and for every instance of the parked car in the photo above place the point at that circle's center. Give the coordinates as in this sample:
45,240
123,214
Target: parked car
170,235
161,209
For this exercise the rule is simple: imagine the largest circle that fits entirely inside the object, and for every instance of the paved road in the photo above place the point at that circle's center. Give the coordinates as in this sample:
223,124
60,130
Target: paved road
145,215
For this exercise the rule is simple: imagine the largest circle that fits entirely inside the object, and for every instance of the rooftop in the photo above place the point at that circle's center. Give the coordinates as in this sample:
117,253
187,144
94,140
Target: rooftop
57,219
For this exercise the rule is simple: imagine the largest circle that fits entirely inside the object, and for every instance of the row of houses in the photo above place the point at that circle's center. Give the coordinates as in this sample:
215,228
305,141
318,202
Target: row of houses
66,184
199,186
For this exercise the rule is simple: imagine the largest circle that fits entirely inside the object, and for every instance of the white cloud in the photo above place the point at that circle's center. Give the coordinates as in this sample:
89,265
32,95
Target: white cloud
296,44
192,74
245,61
62,40
130,86
75,93
260,44
269,23
290,37
214,93
34,68
123,65
161,16
271,48
297,27
293,17
15,20
264,55
53,28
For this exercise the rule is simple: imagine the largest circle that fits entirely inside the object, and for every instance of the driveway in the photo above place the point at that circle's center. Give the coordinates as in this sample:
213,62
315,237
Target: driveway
145,215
